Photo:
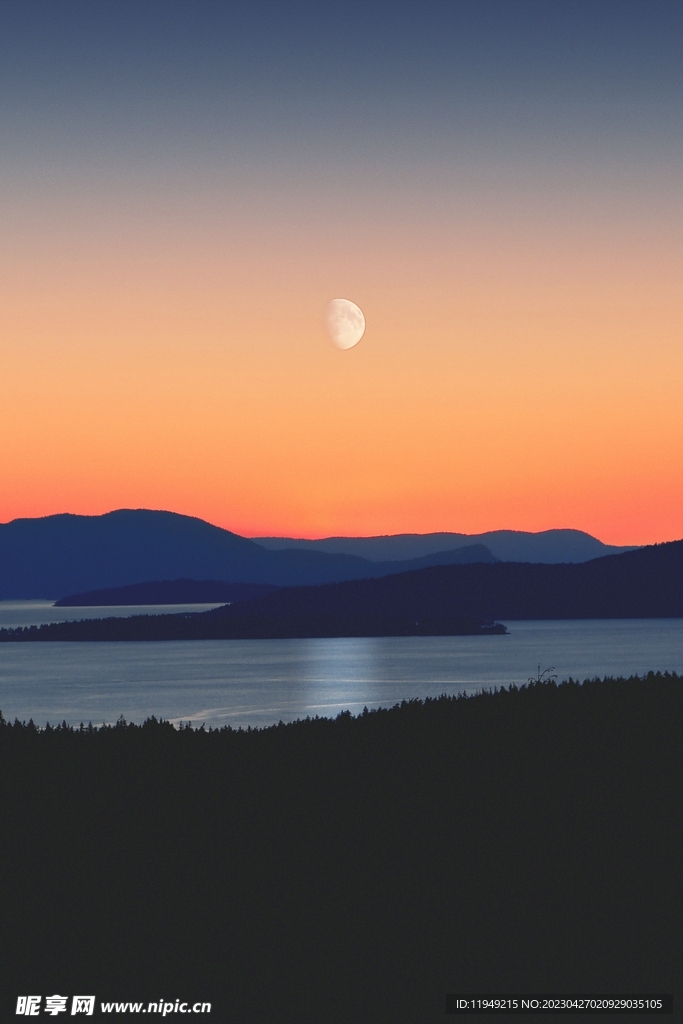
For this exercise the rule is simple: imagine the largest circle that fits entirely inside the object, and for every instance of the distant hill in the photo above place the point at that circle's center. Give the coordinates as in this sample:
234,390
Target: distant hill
505,545
213,591
438,600
66,554
168,592
644,583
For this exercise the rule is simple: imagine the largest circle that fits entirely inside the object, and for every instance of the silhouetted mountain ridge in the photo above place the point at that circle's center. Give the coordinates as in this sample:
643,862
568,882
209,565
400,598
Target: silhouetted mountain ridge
505,545
438,600
67,554
644,583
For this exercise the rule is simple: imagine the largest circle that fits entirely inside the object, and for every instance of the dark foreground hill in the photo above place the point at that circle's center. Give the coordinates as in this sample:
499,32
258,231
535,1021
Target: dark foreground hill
352,869
441,600
67,554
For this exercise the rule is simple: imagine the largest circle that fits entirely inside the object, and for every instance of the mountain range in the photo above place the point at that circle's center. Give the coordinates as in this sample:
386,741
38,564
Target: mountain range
505,545
60,555
438,600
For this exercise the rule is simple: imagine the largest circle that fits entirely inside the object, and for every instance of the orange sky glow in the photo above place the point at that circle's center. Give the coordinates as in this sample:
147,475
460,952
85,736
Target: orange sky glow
520,373
505,206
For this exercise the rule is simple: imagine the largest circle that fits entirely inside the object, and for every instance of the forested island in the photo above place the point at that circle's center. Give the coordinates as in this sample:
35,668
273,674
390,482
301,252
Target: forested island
256,623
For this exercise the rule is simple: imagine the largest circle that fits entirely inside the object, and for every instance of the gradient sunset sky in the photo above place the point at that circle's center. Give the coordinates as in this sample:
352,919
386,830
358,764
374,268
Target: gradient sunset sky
497,183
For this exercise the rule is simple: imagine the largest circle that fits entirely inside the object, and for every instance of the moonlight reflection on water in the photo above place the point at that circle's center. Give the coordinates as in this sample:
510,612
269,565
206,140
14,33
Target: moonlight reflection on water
259,682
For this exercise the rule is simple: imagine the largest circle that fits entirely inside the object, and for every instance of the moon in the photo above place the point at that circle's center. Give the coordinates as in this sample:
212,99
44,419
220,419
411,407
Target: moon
345,322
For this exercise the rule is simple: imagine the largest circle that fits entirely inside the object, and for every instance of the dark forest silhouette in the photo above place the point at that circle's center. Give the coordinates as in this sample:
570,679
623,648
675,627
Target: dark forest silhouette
357,868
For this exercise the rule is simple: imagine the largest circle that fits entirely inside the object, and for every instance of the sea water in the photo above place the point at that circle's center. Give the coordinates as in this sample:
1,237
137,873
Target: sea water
259,682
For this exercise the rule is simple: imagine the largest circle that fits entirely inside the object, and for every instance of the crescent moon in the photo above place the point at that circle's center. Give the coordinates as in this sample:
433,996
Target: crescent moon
345,323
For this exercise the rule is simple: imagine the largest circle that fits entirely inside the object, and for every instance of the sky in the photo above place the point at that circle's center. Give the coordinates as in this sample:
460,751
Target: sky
498,184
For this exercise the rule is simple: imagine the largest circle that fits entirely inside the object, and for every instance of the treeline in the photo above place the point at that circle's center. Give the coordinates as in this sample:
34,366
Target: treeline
355,868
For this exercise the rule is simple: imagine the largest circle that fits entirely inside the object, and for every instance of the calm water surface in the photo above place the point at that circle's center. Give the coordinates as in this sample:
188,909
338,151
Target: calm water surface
258,682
